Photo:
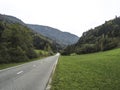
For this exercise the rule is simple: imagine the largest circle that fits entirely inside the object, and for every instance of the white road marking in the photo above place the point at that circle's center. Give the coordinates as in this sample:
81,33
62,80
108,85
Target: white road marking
20,72
34,65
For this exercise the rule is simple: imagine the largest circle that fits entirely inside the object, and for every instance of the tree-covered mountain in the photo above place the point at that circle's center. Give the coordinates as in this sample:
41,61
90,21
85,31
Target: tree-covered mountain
15,43
18,42
58,38
62,38
43,43
101,38
42,39
10,19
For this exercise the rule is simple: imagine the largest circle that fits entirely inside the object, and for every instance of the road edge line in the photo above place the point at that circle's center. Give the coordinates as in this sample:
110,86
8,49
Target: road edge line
48,85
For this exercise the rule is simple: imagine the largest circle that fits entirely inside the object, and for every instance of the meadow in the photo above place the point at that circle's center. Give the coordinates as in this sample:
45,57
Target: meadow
96,71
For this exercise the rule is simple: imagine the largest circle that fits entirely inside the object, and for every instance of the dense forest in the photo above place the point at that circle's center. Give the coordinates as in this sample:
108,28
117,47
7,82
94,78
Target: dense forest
45,35
44,43
101,38
61,38
18,43
15,43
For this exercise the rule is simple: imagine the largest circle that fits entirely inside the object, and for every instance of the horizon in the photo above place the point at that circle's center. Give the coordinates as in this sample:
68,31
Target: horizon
74,16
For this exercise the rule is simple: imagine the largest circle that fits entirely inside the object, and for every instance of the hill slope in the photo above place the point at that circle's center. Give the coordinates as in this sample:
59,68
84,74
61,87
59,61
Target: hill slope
15,43
39,41
97,71
63,38
10,19
103,37
18,42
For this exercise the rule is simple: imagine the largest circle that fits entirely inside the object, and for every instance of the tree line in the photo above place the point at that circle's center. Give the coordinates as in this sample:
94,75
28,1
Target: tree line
101,38
18,43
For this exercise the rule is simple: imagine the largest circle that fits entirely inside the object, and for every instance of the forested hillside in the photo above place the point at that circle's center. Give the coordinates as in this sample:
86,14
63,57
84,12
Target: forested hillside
10,19
15,43
43,33
62,38
44,43
101,38
18,43
58,38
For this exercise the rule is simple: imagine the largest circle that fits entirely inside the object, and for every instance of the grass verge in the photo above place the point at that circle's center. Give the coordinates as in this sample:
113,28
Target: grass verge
40,53
98,71
3,66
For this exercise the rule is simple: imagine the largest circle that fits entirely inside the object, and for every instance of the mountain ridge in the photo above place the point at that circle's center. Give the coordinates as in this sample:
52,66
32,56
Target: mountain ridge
101,38
64,38
58,36
11,19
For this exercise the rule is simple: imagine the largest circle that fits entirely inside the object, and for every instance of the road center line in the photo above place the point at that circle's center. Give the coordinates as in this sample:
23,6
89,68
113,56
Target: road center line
34,65
20,72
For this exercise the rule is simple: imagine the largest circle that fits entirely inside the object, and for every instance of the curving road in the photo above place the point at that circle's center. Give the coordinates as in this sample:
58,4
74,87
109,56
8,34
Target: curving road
29,76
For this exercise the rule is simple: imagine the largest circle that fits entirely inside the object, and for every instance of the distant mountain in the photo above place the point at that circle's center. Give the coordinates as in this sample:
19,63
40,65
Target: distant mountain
10,19
38,37
18,43
63,38
60,38
101,38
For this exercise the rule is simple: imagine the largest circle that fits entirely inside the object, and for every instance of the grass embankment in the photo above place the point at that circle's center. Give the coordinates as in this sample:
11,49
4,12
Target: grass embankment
98,71
3,66
40,53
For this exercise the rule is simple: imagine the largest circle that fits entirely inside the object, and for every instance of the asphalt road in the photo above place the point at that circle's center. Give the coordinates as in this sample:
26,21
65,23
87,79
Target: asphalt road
29,76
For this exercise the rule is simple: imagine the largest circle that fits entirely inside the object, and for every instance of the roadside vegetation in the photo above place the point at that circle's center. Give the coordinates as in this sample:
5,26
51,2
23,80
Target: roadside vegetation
15,43
3,66
96,71
8,65
18,43
42,53
101,38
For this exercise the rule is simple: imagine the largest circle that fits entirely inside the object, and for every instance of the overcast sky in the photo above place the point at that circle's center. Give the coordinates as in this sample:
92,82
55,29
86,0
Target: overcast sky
75,16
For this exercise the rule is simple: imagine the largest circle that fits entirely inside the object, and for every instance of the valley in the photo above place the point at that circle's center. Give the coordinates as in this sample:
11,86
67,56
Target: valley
89,62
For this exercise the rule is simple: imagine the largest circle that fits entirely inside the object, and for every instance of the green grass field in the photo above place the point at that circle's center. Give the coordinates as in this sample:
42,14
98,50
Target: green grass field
97,71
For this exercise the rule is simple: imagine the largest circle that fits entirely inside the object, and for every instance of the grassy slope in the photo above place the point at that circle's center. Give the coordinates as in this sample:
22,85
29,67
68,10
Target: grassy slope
98,71
3,66
41,54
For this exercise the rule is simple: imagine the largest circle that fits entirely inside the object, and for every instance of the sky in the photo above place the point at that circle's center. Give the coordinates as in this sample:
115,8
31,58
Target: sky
74,16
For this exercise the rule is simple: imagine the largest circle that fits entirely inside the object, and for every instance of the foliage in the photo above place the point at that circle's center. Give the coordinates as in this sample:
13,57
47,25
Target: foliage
104,37
61,38
18,42
15,43
42,53
43,43
98,71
